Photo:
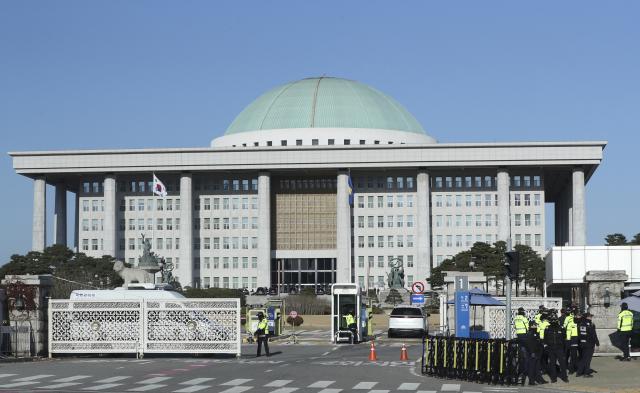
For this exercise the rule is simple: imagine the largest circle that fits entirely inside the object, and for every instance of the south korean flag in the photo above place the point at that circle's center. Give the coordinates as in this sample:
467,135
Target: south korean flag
158,187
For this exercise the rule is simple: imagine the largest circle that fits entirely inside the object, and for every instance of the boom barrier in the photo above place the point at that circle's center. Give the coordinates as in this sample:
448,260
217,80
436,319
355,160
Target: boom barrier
491,361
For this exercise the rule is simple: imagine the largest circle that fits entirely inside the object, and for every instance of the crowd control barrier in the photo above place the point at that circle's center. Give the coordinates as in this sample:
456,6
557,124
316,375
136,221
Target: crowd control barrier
491,361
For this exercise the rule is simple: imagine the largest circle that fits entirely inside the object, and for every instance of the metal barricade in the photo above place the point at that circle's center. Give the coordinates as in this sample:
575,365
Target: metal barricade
492,361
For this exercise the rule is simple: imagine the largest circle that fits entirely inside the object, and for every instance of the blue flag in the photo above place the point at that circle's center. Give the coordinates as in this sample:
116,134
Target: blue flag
350,189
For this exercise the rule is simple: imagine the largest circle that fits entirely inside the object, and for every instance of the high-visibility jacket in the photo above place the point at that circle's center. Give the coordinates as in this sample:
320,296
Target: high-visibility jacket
571,331
263,327
625,321
568,319
521,324
349,319
537,318
541,328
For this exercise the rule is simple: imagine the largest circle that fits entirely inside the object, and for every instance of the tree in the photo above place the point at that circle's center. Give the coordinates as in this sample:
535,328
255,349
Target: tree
616,239
636,239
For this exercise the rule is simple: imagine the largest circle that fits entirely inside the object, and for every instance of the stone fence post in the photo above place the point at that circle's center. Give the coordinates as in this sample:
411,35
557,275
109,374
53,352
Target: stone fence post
605,315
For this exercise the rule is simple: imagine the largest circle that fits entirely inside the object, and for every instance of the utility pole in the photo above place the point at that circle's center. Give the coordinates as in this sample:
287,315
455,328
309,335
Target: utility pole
507,314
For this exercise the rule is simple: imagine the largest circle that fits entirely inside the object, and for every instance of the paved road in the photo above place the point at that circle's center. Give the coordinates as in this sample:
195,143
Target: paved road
293,368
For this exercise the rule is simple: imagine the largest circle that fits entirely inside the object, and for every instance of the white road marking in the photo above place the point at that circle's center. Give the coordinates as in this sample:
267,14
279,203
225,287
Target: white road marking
466,391
112,379
154,380
196,381
408,386
365,385
378,391
236,382
330,391
284,390
191,389
237,389
33,377
321,384
102,387
426,391
450,387
326,353
60,385
146,387
7,375
267,371
15,385
71,379
278,383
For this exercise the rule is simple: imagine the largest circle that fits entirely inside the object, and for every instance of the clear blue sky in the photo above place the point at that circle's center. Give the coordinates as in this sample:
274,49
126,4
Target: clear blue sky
123,74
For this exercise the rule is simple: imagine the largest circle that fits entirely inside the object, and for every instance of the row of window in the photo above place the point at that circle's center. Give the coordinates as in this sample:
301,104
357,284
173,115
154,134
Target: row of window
399,221
371,260
316,142
96,244
468,200
308,184
226,262
469,220
225,223
379,241
389,182
214,282
159,243
378,201
149,204
228,243
485,181
226,185
168,224
468,240
142,186
227,203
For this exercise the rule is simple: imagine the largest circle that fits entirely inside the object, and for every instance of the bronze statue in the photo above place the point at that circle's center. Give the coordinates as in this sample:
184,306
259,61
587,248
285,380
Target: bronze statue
395,278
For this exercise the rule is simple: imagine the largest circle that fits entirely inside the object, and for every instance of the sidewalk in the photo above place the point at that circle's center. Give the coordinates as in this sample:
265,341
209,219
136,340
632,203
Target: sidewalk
613,376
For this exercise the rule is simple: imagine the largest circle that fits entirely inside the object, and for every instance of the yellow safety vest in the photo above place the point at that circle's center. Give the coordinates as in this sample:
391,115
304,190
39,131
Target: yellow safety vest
521,323
537,318
542,327
625,321
264,326
572,330
349,319
567,320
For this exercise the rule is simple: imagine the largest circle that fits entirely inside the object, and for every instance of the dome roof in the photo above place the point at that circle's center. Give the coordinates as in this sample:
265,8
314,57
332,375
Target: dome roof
324,102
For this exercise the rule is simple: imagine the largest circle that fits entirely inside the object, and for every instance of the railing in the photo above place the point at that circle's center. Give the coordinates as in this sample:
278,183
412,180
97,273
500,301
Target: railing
16,340
485,361
145,326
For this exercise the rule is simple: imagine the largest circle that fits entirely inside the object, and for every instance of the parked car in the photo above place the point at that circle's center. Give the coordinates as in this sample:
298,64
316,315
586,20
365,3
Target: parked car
407,320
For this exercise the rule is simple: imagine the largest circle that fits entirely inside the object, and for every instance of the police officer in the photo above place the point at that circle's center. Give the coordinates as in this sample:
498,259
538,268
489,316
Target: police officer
571,341
521,326
350,321
588,340
542,326
625,326
262,334
534,351
538,316
569,313
554,347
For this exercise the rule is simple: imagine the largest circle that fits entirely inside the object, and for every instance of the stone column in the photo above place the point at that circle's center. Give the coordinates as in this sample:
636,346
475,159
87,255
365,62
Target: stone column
76,224
185,272
110,214
504,219
264,229
60,215
343,229
605,316
35,290
579,228
568,216
423,264
39,231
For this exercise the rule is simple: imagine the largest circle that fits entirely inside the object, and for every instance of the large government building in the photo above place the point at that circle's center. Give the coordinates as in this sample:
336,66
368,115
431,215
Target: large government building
320,180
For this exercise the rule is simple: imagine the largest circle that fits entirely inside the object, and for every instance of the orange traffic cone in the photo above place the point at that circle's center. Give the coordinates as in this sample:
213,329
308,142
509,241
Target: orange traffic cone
372,353
404,356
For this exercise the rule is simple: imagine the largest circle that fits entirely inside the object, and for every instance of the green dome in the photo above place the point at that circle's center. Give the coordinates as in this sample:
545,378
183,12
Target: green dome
324,103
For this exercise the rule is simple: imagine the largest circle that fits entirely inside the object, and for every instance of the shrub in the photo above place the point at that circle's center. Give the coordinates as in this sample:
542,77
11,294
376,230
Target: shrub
297,321
215,293
307,305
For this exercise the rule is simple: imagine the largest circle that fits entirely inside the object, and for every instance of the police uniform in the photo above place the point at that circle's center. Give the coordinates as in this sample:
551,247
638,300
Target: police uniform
625,327
534,350
571,341
587,341
262,333
554,347
521,326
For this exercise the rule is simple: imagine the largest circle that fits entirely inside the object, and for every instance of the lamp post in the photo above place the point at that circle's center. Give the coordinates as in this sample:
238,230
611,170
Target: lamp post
606,298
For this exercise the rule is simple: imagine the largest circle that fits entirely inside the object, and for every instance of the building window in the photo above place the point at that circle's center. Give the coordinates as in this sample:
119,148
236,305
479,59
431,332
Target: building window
438,200
361,261
527,181
438,182
536,181
527,199
298,142
516,200
517,219
360,241
538,240
283,142
347,141
314,142
527,220
536,199
537,220
516,181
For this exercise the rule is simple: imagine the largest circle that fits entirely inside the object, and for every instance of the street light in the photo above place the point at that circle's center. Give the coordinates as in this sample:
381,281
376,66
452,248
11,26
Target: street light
607,298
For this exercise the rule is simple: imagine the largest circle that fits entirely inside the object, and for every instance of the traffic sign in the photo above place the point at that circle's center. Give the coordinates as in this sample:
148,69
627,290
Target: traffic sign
417,298
417,287
293,314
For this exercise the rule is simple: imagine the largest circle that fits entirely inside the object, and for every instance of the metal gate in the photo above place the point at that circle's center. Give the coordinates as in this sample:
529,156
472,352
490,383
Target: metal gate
145,326
494,316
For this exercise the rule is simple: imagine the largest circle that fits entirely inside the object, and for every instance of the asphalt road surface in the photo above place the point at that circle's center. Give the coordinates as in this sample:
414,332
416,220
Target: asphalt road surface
320,368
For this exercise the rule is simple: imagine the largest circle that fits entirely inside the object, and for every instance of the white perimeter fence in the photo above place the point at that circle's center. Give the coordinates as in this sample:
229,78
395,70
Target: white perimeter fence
145,326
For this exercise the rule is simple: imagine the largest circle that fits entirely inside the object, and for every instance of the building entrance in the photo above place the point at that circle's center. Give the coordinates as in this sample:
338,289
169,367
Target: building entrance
294,274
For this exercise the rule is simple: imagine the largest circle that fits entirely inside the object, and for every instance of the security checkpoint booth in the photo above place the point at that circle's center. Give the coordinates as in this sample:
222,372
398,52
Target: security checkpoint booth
347,299
273,310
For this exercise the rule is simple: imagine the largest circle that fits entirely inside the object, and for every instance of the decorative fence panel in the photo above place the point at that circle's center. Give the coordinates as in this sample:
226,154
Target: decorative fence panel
145,326
192,326
95,326
494,316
